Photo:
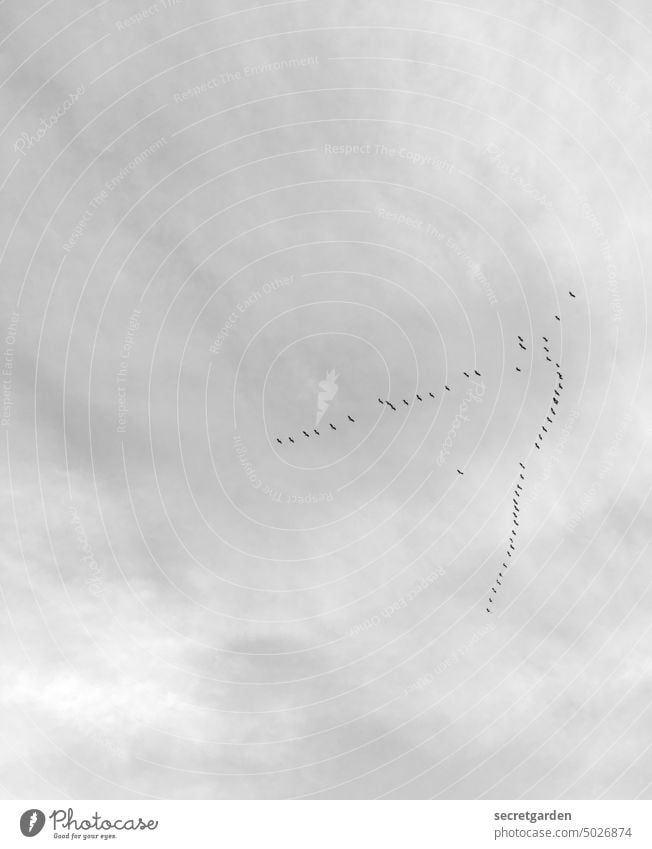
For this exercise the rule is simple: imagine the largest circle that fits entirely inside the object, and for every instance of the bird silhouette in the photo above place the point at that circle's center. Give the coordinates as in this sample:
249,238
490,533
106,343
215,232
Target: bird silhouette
488,611
447,388
509,553
571,294
557,317
557,364
491,600
478,373
521,476
553,411
522,346
291,440
493,590
518,486
380,401
555,401
548,419
466,374
500,574
498,582
516,523
317,432
392,406
406,403
544,338
431,395
537,446
350,419
521,465
549,360
520,338
306,434
546,349
544,429
279,441
512,547
555,392
459,473
333,426
419,398
517,368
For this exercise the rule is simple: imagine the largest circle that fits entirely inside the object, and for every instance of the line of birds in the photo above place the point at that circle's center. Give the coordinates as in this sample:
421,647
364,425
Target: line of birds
521,479
384,403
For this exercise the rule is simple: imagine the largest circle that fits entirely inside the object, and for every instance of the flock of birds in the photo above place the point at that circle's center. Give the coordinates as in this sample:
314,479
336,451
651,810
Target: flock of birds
386,403
544,430
556,395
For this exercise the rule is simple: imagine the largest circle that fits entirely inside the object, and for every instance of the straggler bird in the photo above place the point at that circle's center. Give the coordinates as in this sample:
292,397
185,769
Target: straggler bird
571,294
517,368
557,317
459,473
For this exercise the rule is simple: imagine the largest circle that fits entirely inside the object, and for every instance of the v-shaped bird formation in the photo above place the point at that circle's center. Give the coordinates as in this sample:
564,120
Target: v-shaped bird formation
543,432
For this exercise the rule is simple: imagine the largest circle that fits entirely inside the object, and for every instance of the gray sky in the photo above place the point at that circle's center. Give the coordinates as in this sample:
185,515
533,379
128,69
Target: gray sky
215,225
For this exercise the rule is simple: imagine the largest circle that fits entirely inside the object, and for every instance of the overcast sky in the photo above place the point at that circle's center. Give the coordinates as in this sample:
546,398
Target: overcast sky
222,227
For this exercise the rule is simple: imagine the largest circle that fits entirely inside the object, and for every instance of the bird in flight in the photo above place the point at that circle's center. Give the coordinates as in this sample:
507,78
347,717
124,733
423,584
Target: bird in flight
333,426
557,317
306,434
478,373
571,294
279,441
350,419
431,395
522,346
380,401
545,339
447,387
459,473
291,440
392,406
466,374
517,368
317,432
406,403
537,446
520,338
521,465
419,398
